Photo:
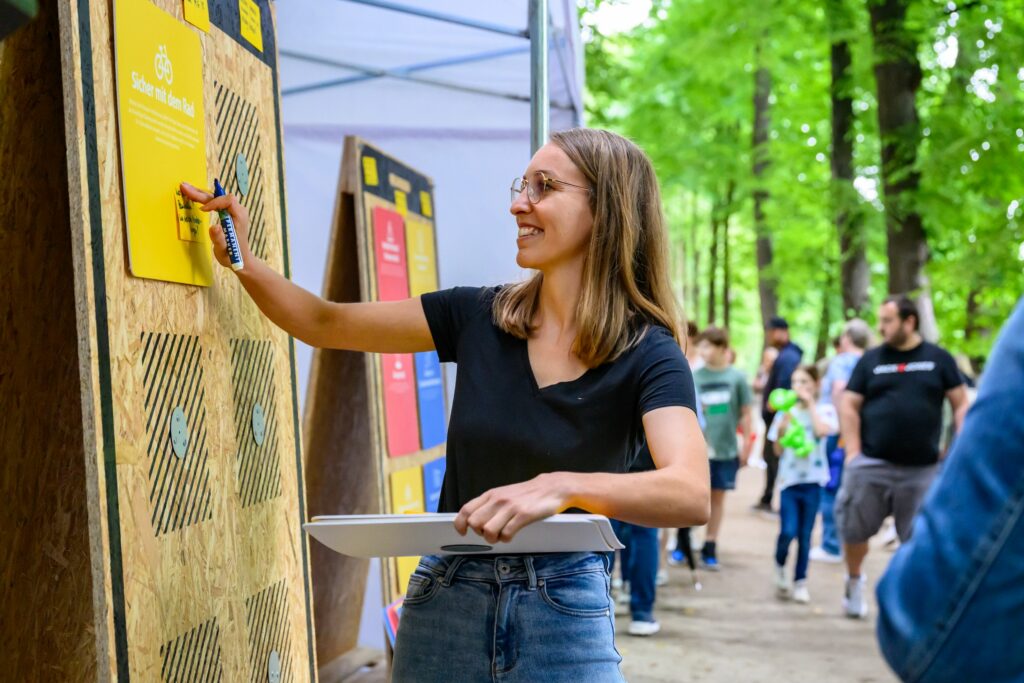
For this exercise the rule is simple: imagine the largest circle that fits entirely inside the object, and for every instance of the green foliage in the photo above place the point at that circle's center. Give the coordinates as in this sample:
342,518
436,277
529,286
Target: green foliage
681,86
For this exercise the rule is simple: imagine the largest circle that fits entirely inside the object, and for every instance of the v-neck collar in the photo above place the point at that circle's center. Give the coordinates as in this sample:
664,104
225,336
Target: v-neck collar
524,353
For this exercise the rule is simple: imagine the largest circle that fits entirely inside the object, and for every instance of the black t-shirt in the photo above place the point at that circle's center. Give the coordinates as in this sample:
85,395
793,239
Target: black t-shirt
903,393
504,429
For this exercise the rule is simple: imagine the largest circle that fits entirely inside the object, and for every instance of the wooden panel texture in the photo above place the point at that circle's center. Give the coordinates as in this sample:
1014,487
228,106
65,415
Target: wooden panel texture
191,423
46,610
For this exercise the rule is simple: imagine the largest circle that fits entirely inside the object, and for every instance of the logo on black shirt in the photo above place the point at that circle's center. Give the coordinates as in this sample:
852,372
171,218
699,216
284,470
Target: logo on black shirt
900,368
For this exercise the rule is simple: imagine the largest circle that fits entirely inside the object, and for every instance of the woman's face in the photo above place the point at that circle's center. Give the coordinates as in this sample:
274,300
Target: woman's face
556,230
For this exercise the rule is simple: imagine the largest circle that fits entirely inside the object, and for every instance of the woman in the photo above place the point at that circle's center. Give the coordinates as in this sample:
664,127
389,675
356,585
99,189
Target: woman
561,380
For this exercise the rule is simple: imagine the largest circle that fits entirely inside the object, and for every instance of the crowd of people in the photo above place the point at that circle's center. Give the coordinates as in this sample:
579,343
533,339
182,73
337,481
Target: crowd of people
851,440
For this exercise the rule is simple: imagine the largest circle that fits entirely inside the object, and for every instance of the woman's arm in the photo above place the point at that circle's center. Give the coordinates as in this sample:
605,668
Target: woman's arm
677,494
385,327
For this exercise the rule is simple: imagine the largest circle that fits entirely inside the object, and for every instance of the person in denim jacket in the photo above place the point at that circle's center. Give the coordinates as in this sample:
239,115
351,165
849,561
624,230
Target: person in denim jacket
950,604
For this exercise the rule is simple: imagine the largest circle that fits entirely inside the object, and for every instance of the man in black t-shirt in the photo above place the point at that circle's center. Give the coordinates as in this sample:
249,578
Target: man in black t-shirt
891,417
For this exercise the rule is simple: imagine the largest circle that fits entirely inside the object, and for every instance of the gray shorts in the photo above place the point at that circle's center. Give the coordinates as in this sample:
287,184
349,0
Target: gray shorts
872,490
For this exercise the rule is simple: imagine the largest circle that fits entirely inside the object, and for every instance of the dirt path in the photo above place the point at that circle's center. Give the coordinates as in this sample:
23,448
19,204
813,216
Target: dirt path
736,630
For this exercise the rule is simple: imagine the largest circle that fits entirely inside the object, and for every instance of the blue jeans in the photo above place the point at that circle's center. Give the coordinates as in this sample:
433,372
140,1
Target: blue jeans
516,618
797,511
950,603
639,567
829,534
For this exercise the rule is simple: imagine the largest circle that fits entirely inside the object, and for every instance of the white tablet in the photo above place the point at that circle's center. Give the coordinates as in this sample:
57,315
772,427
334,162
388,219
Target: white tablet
434,534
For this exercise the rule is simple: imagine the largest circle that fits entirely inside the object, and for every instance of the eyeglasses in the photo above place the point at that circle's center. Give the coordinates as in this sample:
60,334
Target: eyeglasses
538,185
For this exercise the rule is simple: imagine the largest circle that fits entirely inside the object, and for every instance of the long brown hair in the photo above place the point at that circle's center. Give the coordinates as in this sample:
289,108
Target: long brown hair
626,284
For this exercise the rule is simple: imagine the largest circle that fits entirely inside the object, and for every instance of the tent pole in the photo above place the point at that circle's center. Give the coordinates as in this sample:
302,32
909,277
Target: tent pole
539,106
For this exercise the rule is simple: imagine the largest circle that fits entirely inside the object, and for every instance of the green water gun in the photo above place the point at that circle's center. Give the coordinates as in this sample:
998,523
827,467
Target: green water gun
796,438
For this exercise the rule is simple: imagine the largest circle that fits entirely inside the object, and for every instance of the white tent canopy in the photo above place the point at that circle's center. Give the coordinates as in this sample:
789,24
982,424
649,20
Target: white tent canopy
443,85
472,138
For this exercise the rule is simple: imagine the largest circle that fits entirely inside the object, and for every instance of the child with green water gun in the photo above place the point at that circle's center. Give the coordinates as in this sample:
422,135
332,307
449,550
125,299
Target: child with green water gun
797,430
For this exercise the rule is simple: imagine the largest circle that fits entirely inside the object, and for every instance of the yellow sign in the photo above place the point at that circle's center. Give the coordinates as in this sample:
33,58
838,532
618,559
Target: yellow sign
419,243
370,171
197,13
426,208
252,27
163,142
401,203
406,498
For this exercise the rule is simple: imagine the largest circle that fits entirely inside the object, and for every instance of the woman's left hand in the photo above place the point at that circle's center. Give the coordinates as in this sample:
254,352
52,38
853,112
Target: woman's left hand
500,513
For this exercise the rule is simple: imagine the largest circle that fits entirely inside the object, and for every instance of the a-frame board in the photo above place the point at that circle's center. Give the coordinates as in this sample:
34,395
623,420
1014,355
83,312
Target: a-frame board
391,455
189,413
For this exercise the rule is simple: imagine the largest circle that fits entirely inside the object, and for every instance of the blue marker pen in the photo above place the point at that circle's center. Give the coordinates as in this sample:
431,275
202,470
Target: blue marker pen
226,224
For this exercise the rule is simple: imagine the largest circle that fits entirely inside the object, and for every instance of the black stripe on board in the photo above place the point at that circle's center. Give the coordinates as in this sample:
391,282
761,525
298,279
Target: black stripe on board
105,431
266,617
238,132
193,656
172,370
257,466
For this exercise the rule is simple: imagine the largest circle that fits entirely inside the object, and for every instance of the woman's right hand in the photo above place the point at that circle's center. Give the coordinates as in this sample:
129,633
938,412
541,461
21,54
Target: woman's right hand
239,216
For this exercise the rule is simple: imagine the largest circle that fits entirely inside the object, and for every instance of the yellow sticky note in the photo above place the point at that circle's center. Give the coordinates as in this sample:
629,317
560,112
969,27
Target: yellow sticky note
370,171
197,13
190,218
401,203
252,26
419,247
406,498
426,207
159,71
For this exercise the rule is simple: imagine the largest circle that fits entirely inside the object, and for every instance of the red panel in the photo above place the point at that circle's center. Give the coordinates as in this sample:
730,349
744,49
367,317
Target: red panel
389,251
400,403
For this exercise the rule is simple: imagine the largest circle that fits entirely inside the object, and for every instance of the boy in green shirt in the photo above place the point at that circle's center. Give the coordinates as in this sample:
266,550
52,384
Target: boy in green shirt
726,399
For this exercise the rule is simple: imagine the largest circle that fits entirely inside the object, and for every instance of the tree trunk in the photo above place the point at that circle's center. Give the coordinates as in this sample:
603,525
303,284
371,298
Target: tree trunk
971,318
683,287
826,313
766,281
849,221
695,274
726,261
713,266
726,272
897,76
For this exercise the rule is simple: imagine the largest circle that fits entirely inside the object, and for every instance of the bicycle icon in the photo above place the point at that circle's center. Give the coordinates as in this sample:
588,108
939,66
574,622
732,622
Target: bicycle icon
162,63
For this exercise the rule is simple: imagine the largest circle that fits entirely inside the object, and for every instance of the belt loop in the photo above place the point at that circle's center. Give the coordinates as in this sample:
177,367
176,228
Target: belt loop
452,568
530,572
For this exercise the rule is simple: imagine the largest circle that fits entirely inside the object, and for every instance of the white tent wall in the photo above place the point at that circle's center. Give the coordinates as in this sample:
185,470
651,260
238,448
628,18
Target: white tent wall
472,144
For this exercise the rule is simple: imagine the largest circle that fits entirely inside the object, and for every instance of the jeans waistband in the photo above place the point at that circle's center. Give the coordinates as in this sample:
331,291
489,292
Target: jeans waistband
508,568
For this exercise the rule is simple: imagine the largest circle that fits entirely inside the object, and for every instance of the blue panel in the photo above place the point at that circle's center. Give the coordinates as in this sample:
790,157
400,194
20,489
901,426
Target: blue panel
433,476
430,391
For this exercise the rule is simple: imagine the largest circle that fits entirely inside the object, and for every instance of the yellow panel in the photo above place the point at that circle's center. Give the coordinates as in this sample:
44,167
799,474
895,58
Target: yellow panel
402,203
407,491
370,171
407,498
427,208
252,28
405,567
419,241
197,13
163,140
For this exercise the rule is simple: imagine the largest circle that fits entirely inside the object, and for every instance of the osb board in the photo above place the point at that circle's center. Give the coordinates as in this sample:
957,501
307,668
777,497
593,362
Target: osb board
199,562
341,468
46,615
365,200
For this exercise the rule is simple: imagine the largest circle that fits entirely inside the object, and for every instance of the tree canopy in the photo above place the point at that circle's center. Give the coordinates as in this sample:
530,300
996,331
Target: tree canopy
682,85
